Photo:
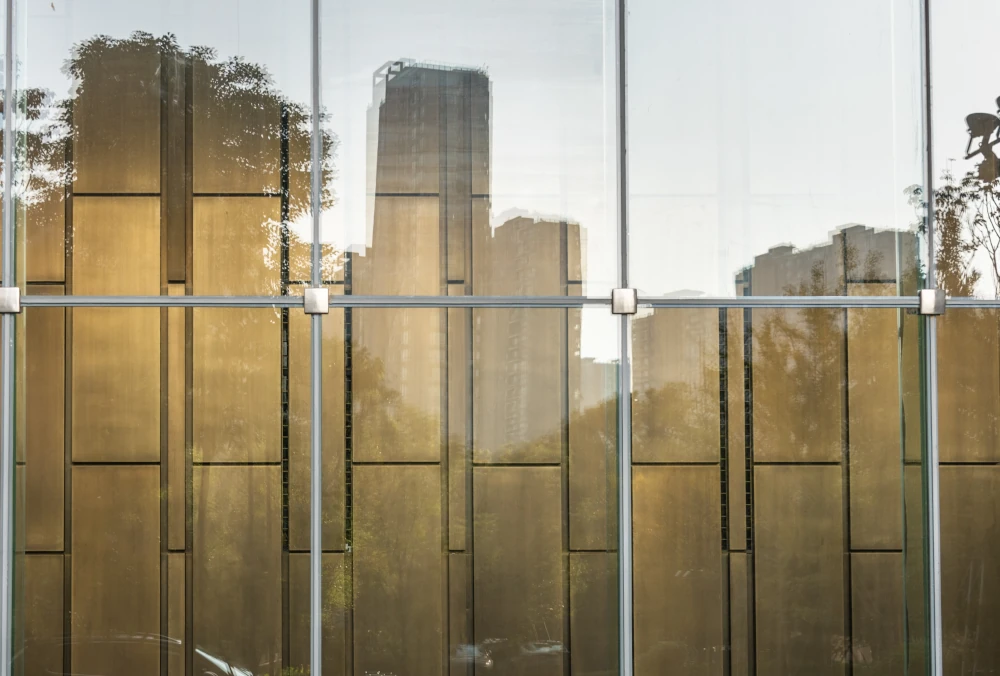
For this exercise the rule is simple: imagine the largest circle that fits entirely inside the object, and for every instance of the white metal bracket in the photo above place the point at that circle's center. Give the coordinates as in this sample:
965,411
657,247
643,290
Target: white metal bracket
624,301
317,301
10,300
932,302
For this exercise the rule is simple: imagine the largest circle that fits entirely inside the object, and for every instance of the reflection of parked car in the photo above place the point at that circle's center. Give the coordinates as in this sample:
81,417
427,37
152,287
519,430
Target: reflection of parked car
205,664
472,654
542,648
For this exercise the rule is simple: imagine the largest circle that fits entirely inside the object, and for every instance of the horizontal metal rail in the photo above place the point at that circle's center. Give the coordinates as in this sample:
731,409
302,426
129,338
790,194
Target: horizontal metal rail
906,302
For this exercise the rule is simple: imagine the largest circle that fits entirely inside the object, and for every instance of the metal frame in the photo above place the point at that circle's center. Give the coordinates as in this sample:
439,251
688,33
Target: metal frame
625,582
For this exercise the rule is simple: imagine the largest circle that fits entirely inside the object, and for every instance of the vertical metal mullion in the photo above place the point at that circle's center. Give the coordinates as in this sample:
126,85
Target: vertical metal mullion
316,368
931,473
7,363
625,646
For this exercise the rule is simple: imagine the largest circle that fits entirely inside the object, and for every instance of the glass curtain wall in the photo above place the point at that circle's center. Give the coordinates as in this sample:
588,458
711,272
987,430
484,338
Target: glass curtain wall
737,475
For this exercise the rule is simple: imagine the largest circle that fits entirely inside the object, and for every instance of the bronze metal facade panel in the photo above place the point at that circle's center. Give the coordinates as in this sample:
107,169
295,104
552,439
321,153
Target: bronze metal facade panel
736,443
969,389
299,436
593,452
116,351
397,379
798,385
115,568
43,614
176,617
237,565
45,236
877,607
458,423
740,614
399,591
675,366
176,420
914,571
116,384
593,613
116,121
970,580
799,570
116,246
518,396
335,597
236,138
459,616
236,248
874,423
678,570
44,430
237,385
518,567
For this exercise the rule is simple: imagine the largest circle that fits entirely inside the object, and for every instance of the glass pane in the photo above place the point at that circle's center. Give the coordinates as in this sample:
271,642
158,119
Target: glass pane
161,460
780,135
480,503
966,119
776,482
475,145
162,143
969,437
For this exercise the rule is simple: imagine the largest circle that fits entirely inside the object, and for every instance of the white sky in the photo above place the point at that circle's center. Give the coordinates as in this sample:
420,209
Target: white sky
750,124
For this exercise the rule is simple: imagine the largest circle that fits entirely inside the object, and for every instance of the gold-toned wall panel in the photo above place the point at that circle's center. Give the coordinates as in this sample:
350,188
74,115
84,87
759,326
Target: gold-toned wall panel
461,650
237,385
593,583
176,420
115,568
970,577
237,246
397,385
43,614
116,384
910,386
335,599
677,542
519,576
740,614
44,429
399,580
519,385
45,235
675,401
798,385
237,565
914,571
236,135
176,599
969,389
299,418
736,427
593,452
458,418
116,120
116,351
877,610
799,570
874,423
116,246
406,250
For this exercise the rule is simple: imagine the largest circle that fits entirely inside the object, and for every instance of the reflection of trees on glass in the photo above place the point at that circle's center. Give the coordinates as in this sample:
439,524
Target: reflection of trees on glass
246,132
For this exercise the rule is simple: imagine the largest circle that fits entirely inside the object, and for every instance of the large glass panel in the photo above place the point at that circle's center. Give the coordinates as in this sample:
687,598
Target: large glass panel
781,135
969,434
776,482
475,145
160,463
966,119
162,139
477,528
